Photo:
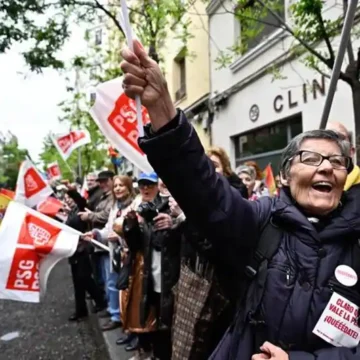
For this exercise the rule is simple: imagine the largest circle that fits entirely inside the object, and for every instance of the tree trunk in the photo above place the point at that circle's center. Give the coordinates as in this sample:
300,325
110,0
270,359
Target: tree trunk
356,105
153,53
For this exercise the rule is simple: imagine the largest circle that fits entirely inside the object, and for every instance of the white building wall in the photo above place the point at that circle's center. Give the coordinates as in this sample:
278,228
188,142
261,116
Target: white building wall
233,118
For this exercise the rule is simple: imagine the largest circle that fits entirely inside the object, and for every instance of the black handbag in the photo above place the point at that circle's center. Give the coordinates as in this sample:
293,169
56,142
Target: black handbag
124,274
116,259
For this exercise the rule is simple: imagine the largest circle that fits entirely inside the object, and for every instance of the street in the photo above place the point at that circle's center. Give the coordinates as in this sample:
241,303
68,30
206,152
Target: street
44,332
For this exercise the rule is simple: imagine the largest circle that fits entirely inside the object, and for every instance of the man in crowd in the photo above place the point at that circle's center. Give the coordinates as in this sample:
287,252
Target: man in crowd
354,177
94,191
96,214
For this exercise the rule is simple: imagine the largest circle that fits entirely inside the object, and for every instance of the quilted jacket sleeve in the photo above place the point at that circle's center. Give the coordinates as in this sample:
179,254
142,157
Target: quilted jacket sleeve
327,354
230,222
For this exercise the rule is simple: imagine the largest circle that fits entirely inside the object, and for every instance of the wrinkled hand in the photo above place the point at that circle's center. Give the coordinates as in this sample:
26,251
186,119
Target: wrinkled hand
87,236
272,352
131,219
143,77
174,207
113,236
163,222
69,185
84,215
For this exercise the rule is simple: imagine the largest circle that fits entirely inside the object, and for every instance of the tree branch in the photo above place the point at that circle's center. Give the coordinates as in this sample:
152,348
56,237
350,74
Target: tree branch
321,72
346,78
291,32
110,15
326,37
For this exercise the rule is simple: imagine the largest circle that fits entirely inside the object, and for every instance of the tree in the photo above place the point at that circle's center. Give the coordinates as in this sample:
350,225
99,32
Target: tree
44,25
94,156
11,156
310,29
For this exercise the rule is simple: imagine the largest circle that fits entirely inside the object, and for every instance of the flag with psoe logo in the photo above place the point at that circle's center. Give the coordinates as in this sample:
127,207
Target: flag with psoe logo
31,244
53,171
115,115
31,188
67,143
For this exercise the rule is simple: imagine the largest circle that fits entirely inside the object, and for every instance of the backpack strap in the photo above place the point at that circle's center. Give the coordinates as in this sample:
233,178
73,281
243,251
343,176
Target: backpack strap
253,290
355,259
268,244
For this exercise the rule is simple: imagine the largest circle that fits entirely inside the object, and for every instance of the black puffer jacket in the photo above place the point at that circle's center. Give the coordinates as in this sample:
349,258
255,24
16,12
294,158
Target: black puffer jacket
140,239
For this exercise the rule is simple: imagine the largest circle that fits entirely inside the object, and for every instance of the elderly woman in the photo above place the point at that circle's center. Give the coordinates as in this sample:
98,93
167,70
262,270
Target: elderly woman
307,305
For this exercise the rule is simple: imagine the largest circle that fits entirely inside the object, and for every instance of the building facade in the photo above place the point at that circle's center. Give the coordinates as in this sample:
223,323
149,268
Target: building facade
255,115
187,70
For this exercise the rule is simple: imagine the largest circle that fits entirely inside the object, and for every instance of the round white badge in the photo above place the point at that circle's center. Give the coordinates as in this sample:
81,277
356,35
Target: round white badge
346,275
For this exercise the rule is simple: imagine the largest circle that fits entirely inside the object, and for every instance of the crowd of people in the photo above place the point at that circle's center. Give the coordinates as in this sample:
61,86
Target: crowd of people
287,267
175,288
203,262
151,247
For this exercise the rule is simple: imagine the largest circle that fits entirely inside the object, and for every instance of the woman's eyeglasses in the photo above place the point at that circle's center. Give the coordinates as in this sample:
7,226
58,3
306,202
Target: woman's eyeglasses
339,162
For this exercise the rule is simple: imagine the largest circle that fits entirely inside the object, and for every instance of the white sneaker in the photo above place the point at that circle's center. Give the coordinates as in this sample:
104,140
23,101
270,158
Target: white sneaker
140,355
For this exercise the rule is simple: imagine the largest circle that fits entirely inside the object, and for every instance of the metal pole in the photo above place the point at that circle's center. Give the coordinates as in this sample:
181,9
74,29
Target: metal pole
344,40
77,79
79,163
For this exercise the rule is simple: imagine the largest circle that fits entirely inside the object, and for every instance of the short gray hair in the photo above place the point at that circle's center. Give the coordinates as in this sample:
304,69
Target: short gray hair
92,174
249,170
295,144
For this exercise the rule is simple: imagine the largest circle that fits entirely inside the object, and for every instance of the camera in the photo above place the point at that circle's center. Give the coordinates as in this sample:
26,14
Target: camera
148,211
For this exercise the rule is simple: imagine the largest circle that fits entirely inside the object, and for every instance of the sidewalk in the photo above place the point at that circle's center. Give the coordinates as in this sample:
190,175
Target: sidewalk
115,352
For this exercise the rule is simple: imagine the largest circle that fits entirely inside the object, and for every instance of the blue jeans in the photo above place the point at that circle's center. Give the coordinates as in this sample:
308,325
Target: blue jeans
112,293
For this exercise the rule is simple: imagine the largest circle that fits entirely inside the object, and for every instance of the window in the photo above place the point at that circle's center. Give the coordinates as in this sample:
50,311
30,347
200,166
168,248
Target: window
266,144
180,80
98,37
262,29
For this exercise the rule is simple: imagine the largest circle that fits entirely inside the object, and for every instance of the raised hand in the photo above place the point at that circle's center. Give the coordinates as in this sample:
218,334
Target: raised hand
143,77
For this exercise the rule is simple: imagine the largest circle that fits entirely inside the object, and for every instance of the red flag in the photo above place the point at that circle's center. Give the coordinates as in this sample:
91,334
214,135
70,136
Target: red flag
67,143
116,116
31,188
53,171
10,194
50,207
269,179
85,189
30,246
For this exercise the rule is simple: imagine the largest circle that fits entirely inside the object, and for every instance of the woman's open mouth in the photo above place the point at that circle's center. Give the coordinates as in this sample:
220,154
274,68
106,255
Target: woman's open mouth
323,186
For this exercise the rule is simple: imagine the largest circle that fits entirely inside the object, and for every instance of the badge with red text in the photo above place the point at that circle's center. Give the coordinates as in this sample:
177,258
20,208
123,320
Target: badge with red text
345,275
338,324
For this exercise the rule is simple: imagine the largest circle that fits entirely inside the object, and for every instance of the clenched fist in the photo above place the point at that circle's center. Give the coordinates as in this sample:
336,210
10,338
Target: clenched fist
143,77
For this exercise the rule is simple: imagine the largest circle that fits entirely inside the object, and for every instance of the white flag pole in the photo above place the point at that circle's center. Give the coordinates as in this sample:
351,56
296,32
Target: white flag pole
99,244
344,41
128,32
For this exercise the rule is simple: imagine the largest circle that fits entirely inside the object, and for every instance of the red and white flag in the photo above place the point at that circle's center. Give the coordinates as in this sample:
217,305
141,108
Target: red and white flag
67,143
115,114
50,207
31,188
53,171
84,192
31,244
